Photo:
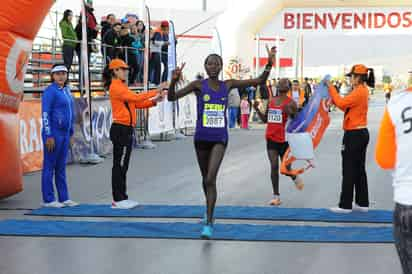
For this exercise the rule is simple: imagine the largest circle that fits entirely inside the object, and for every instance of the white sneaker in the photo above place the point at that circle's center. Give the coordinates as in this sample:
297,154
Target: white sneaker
340,210
54,204
356,207
125,204
70,203
133,203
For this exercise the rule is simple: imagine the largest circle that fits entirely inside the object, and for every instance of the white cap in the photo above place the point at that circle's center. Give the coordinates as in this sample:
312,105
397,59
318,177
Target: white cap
59,69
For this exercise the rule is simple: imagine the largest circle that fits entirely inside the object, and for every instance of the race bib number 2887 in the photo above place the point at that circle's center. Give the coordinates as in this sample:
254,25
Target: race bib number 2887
214,116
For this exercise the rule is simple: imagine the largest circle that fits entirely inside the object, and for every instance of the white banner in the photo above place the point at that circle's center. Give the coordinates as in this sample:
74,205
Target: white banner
161,118
187,114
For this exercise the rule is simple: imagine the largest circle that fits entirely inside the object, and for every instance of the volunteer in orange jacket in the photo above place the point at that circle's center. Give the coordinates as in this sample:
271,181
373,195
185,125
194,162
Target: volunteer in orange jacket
393,151
124,104
355,139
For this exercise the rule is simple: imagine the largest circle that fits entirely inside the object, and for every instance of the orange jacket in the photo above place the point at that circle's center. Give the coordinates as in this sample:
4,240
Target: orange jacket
355,106
301,97
121,97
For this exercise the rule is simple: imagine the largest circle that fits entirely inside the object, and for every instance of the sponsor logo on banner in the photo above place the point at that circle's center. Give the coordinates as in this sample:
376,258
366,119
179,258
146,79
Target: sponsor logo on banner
236,69
31,143
30,126
16,64
12,69
101,123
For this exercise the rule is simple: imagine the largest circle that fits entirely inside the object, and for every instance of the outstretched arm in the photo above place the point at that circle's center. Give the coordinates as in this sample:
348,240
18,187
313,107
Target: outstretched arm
172,94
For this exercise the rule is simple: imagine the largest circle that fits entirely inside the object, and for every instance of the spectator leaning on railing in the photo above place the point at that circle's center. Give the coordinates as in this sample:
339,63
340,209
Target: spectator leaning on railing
129,54
164,27
111,41
137,32
69,38
159,40
107,25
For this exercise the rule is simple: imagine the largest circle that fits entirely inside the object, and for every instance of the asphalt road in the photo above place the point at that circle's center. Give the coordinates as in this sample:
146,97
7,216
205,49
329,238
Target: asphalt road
170,175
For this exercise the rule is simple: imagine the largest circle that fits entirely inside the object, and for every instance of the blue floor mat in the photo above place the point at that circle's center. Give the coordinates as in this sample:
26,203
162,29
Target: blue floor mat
221,212
236,232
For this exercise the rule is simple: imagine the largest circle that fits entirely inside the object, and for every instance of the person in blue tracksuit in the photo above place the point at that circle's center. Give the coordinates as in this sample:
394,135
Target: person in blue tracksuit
58,122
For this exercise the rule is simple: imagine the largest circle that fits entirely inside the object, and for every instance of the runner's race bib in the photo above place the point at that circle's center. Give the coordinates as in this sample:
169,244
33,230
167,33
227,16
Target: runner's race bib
275,116
214,116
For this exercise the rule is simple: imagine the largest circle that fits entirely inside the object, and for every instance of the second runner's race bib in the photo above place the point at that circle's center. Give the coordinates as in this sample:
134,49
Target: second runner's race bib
214,116
275,116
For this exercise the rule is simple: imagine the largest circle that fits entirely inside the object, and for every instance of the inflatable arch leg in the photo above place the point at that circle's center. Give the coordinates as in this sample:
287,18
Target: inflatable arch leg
20,21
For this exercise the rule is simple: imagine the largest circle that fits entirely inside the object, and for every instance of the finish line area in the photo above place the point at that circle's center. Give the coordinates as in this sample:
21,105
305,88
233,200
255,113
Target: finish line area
169,175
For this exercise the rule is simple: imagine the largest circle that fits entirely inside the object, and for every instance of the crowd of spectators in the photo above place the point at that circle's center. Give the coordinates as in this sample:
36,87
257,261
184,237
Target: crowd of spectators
122,38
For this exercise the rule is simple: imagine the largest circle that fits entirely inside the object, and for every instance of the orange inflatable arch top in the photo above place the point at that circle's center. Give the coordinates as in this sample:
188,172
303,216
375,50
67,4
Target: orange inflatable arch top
20,21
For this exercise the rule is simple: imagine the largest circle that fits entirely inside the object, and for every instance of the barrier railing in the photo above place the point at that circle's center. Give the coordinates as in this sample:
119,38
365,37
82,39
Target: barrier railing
49,52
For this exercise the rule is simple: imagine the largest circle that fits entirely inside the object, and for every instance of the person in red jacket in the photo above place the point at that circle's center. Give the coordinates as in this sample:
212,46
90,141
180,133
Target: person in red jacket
124,104
279,109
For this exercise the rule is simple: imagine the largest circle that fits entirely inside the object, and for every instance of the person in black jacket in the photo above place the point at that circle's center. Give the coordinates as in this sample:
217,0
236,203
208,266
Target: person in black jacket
129,54
111,42
107,24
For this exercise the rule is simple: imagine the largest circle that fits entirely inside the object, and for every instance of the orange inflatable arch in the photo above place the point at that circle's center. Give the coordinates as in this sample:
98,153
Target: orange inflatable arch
20,21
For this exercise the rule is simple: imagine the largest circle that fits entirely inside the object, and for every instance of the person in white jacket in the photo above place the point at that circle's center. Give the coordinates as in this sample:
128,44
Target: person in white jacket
393,152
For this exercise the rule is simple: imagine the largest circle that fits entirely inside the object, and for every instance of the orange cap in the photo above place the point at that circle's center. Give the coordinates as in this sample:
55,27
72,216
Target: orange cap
118,63
358,69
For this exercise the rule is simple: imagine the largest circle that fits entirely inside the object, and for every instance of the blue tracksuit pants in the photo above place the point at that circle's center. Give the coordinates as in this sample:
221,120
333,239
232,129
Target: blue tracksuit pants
54,163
